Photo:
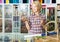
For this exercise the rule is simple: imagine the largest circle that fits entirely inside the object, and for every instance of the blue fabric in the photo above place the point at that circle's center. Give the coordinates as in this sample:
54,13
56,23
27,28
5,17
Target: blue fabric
10,1
15,1
4,1
49,33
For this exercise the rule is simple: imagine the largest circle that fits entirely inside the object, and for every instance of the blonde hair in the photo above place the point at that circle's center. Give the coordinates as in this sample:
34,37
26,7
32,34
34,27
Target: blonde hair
38,4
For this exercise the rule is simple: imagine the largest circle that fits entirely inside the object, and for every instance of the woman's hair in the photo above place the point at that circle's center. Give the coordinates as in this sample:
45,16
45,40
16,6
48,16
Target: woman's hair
38,4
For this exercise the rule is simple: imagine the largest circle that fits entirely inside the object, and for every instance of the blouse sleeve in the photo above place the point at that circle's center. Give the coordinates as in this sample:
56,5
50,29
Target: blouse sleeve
44,18
29,21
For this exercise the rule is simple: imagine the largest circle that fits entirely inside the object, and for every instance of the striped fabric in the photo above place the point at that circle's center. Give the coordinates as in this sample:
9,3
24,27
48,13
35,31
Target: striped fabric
35,25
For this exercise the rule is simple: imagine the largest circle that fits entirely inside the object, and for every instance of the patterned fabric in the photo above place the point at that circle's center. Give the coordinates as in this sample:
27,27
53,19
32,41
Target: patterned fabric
35,24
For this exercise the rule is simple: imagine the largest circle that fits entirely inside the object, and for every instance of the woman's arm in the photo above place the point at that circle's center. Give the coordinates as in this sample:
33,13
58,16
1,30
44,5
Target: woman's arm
43,20
27,25
23,18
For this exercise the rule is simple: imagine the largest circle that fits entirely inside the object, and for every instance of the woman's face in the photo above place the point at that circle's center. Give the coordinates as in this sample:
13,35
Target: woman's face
35,8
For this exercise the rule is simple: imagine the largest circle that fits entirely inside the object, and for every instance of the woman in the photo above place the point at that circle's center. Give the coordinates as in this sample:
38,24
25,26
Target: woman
36,19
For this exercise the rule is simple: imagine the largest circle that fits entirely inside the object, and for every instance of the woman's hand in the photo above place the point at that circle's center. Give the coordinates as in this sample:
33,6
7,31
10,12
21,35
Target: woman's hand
42,22
23,18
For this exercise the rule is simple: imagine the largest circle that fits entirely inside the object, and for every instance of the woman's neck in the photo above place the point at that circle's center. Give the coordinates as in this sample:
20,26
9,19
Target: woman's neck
37,13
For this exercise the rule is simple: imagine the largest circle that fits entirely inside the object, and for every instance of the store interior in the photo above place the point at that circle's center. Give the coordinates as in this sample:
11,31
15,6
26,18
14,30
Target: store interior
13,29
